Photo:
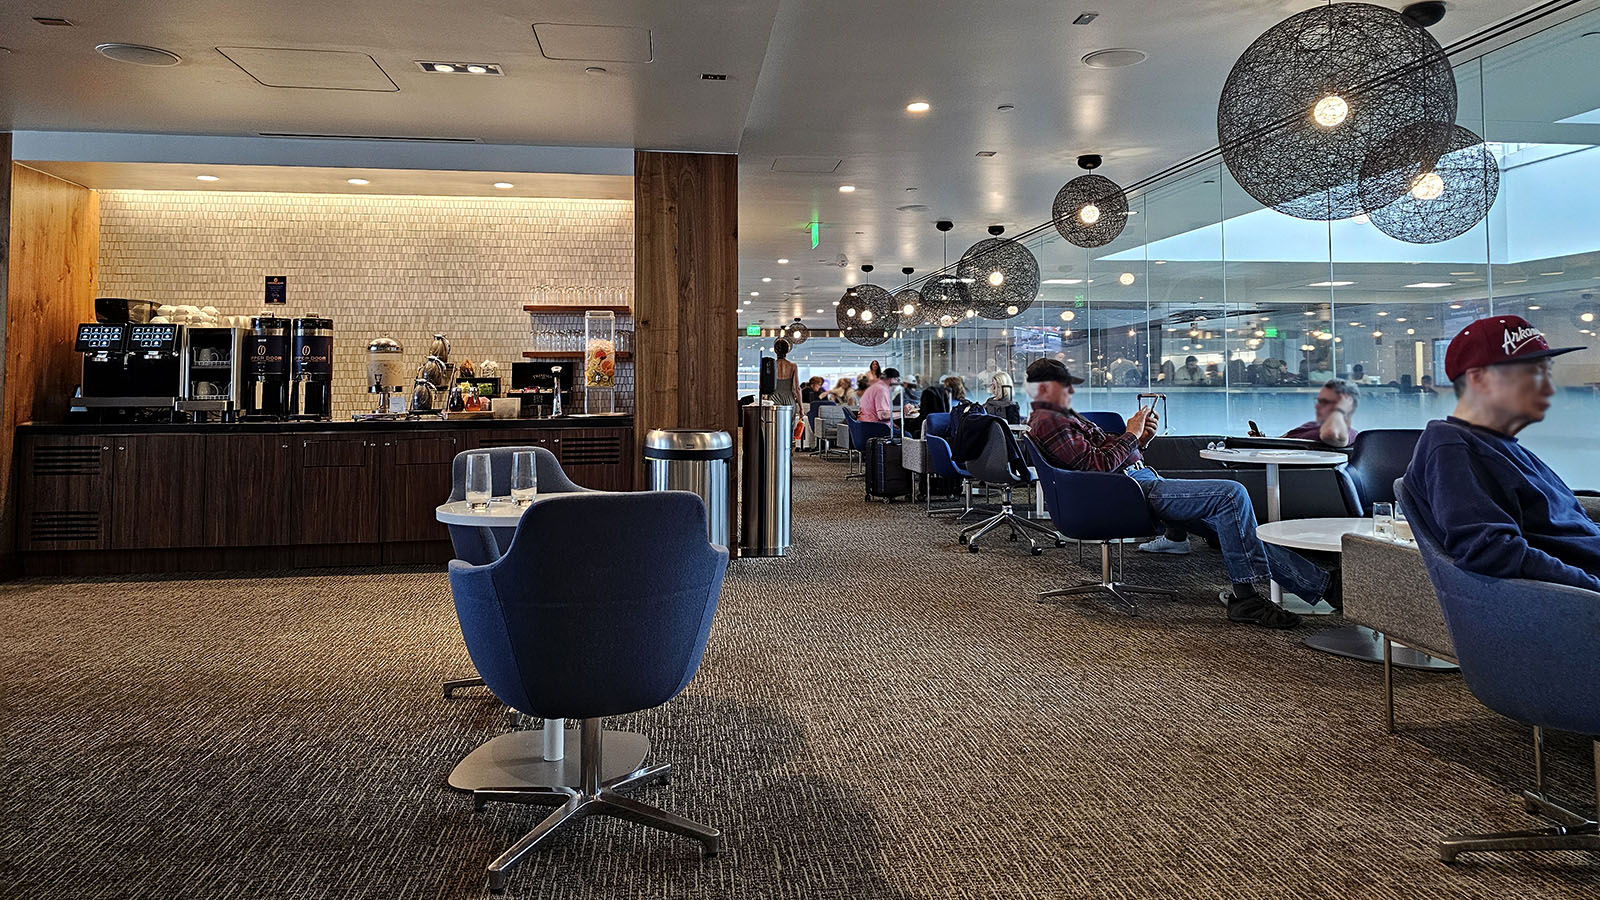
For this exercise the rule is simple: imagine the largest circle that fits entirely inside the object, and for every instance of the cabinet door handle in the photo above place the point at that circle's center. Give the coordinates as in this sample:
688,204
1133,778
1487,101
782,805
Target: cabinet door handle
284,446
122,448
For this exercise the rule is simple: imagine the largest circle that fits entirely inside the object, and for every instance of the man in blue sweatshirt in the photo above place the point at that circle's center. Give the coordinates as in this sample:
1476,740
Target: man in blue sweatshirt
1495,507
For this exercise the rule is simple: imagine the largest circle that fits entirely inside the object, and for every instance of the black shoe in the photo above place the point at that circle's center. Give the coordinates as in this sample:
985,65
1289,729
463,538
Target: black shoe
1259,611
1333,594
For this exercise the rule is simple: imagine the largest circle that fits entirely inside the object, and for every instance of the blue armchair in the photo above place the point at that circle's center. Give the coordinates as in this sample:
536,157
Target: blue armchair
1102,508
860,433
571,623
481,546
1109,422
936,432
1529,650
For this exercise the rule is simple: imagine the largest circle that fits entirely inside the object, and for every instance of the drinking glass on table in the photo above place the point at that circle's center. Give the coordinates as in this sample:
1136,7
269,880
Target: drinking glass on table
1402,528
524,478
479,481
1383,520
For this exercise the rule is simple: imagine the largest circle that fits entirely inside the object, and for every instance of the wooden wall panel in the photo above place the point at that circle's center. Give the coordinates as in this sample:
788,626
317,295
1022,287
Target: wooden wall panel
686,271
51,249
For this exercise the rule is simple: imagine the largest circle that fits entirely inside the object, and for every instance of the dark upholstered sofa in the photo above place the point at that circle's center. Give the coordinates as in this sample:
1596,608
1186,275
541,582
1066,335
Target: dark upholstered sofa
1307,493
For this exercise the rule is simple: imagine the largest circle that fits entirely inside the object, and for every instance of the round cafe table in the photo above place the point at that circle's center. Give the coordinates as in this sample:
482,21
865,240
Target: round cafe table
1270,459
1353,641
543,757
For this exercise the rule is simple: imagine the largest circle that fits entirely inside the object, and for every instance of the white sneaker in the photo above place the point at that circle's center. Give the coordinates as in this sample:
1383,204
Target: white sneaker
1163,545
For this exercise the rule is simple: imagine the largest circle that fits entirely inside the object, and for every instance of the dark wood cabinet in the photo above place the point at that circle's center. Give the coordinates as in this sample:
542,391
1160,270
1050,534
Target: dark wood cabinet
338,490
156,494
248,485
198,500
64,483
415,479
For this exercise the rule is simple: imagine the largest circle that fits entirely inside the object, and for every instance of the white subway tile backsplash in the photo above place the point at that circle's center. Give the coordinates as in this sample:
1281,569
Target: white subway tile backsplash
399,267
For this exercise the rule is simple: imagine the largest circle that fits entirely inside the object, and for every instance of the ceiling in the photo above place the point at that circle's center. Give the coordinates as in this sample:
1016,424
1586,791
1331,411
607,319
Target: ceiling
822,80
104,176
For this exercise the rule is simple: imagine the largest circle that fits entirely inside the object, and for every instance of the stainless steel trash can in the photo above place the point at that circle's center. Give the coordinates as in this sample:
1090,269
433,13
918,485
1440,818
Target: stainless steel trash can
764,502
694,460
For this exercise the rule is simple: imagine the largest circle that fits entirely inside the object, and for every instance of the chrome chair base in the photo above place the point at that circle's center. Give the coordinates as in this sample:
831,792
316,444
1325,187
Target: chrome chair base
592,797
1572,831
1021,527
457,684
1108,584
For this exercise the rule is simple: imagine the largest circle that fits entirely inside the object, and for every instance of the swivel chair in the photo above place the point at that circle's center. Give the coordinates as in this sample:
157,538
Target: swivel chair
936,432
1527,651
1100,507
481,546
860,433
1377,458
1109,422
573,622
993,466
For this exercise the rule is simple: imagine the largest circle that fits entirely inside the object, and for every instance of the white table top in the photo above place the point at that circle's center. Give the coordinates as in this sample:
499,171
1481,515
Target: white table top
1312,534
1276,457
1019,428
502,513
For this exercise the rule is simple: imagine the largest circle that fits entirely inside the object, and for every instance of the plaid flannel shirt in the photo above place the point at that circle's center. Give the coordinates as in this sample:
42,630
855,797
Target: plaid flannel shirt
1072,442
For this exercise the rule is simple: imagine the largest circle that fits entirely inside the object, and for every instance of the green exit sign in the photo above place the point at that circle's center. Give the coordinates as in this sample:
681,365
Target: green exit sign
752,330
1269,332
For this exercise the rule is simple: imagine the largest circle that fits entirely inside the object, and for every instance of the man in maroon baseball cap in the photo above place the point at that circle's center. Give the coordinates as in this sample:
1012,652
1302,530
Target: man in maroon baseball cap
1497,509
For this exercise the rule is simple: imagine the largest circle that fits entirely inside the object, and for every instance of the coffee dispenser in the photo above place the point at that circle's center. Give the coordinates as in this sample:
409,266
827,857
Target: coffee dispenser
265,394
311,368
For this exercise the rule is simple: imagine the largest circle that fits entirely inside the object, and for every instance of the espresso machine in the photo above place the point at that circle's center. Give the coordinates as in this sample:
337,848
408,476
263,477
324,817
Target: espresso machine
265,394
213,374
129,370
311,368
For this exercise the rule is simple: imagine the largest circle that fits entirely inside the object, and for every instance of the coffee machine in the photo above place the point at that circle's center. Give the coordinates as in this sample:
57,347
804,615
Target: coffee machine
213,377
265,394
129,370
311,368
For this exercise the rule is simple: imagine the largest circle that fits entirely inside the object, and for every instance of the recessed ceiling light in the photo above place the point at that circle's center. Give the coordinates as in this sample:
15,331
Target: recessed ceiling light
1161,262
835,303
357,181
847,188
459,68
1552,273
755,293
784,261
1534,307
1462,273
920,106
1330,284
1429,284
1383,312
747,303
1115,58
139,55
504,185
985,154
206,178
819,310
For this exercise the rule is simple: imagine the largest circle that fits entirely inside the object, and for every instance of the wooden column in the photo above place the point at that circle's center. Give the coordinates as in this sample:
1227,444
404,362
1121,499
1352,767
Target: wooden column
47,272
686,272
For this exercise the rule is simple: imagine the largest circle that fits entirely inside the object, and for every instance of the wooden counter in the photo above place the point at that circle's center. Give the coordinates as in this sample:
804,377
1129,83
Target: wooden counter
98,499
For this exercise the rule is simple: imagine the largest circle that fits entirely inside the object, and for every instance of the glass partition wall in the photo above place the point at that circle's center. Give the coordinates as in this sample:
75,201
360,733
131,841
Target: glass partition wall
1239,314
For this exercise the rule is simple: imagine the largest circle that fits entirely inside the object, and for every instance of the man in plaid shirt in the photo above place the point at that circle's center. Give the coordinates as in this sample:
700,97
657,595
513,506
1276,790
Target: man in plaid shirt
1069,441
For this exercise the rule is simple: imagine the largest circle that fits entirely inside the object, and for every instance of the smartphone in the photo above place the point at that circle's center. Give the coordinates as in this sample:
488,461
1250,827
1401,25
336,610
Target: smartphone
1166,426
1254,428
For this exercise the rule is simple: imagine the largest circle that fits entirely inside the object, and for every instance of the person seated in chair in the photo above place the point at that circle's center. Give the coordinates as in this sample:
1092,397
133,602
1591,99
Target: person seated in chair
1069,441
1336,407
1493,506
877,400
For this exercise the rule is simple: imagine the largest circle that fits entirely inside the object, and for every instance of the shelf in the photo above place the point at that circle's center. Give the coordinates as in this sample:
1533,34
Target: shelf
622,355
577,310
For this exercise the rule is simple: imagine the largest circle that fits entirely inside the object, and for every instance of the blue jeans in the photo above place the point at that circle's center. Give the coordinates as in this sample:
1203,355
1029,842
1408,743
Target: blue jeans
1225,507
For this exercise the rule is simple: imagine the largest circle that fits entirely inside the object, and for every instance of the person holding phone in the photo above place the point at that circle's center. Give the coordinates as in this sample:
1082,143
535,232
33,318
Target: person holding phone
1069,441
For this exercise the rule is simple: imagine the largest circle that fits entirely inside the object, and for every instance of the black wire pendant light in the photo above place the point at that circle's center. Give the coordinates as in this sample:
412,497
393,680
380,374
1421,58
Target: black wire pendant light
1002,276
946,299
1440,197
1316,93
1090,211
796,332
908,300
867,314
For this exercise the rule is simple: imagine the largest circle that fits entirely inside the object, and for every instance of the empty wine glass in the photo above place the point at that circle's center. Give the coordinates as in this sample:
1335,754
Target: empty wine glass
479,481
524,478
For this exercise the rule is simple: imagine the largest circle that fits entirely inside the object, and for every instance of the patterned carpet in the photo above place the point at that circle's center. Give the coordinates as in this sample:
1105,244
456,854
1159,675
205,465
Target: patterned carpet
880,715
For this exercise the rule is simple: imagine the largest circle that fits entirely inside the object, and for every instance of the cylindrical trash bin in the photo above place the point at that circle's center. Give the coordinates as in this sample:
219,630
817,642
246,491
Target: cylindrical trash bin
694,460
764,503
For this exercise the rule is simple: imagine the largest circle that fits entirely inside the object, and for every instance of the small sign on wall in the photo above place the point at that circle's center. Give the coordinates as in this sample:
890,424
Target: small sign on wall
277,289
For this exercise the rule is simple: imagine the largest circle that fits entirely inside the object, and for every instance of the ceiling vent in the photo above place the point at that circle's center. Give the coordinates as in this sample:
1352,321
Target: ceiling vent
602,43
1085,18
806,165
327,70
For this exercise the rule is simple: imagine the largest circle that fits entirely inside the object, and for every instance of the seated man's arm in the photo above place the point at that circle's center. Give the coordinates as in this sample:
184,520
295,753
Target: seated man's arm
1479,531
1075,448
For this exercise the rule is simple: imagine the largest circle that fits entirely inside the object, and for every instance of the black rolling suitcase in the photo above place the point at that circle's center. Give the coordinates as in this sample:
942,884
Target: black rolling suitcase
886,477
